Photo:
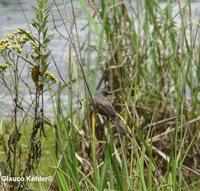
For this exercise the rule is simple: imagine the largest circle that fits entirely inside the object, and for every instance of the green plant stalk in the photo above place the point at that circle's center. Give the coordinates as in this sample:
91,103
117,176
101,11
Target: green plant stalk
16,80
73,132
105,170
96,176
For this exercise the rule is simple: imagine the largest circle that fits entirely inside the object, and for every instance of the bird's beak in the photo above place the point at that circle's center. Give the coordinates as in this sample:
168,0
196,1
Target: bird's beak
110,93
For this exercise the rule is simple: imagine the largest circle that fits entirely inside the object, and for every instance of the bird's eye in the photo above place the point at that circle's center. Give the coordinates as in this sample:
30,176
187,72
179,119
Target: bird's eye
104,93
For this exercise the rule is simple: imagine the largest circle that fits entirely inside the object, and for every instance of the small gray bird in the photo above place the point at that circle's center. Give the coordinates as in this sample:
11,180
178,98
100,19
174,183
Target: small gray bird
104,107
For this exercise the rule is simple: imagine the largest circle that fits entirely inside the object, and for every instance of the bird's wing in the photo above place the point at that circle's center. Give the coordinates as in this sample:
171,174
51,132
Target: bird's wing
104,107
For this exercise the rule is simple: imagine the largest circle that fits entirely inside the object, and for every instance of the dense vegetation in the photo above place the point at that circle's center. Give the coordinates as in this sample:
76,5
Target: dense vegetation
140,53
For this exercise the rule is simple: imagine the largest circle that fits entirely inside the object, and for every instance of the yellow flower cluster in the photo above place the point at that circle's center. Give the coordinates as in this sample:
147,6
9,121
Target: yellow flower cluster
22,31
51,76
17,33
22,40
17,48
3,45
14,41
3,67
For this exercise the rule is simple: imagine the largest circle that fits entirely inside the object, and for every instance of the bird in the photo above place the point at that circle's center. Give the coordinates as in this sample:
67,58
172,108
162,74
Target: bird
104,107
